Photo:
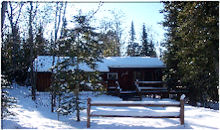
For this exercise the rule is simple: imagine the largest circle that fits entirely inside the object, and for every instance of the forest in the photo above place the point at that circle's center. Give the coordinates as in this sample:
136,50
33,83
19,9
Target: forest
191,41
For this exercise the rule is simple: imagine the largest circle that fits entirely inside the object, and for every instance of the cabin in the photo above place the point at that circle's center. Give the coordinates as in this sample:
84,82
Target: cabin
118,73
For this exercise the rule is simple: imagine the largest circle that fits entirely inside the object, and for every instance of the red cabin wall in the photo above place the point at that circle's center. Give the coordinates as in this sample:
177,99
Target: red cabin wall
125,77
43,81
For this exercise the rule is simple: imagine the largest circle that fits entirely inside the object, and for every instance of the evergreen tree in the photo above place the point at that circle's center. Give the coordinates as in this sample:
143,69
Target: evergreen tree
192,29
145,44
133,48
152,52
132,32
170,56
6,58
147,48
40,43
83,47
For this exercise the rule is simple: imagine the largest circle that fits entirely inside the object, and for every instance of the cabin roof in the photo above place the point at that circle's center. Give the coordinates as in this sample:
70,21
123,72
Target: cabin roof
44,63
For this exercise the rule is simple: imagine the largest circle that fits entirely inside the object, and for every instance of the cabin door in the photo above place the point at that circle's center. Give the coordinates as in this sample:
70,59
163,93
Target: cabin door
126,81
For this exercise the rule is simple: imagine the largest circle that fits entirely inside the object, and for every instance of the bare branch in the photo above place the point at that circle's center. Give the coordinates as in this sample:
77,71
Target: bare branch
10,15
19,13
15,7
35,11
100,4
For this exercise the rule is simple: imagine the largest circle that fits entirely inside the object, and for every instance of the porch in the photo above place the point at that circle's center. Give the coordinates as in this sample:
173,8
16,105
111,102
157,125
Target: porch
143,88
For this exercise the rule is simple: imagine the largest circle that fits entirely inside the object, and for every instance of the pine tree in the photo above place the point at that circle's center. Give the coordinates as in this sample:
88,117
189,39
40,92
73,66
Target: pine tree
40,43
6,58
144,40
152,52
133,48
7,76
147,48
170,56
192,29
83,48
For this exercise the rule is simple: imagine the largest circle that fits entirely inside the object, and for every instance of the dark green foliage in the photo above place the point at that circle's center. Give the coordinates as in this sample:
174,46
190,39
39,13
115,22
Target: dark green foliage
144,40
152,52
13,64
192,48
133,48
147,48
16,64
82,46
132,32
6,58
40,43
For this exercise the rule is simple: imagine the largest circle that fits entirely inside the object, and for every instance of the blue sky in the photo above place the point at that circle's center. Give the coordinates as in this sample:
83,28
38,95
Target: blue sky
144,12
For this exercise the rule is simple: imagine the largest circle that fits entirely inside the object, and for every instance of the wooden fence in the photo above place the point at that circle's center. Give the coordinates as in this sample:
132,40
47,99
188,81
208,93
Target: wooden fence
126,104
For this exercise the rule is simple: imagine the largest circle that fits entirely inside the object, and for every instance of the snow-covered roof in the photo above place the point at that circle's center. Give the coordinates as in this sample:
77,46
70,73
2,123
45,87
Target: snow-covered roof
44,63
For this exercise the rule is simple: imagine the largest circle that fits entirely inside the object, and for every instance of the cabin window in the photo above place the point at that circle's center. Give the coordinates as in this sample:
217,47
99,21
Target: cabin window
138,75
158,75
149,76
112,76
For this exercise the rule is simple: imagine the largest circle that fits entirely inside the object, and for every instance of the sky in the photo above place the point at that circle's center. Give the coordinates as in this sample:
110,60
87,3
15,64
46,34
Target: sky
140,13
147,13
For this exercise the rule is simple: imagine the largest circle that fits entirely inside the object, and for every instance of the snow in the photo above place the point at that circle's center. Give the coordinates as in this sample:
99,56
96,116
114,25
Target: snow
44,63
37,114
139,113
182,97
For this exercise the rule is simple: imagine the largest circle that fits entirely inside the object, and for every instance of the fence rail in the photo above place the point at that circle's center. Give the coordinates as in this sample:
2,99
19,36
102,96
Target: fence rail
125,104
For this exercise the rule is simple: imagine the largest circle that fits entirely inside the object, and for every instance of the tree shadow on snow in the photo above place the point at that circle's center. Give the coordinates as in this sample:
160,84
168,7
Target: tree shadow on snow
8,124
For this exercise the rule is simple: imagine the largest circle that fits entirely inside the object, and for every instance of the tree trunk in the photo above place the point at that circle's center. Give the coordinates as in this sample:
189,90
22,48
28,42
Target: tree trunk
30,32
77,85
3,11
57,24
77,102
63,18
59,101
56,28
13,26
77,91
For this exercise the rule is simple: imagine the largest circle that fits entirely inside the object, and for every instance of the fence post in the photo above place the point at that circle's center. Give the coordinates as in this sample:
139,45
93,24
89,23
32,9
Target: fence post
182,109
88,112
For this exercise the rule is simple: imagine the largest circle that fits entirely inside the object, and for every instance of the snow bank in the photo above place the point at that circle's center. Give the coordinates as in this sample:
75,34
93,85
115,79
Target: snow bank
44,63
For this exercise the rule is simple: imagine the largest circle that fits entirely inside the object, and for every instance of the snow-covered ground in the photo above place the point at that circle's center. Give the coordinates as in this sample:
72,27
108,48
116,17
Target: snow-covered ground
37,114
